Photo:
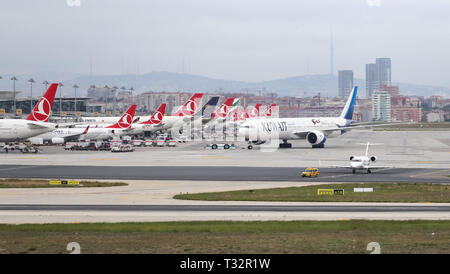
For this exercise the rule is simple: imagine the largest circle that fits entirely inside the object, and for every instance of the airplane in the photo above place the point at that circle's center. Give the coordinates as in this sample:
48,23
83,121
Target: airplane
149,125
59,136
253,112
183,114
269,112
17,130
363,162
118,129
315,130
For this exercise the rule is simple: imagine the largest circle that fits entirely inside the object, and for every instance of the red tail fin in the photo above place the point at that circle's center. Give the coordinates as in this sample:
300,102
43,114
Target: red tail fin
43,108
126,119
190,107
223,110
157,117
254,112
243,115
269,111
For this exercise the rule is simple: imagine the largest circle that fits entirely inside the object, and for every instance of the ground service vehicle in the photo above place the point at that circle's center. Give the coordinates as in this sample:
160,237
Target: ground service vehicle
310,172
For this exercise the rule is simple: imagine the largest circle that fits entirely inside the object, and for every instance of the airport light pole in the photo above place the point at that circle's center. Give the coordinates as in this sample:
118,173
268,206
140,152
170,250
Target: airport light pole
75,88
115,99
60,84
131,93
106,87
46,83
31,81
14,79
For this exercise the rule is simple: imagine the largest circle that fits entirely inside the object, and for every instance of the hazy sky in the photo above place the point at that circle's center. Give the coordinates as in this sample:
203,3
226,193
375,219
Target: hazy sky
249,40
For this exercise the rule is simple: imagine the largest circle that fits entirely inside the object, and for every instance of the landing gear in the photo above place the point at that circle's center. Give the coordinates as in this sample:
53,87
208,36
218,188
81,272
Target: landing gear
285,144
250,146
318,146
353,170
369,171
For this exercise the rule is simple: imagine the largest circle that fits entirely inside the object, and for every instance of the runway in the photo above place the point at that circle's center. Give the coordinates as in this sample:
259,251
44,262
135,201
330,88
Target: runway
222,173
230,208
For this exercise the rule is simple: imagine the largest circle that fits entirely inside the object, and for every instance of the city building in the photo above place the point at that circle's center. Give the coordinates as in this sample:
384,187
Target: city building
384,71
381,106
378,74
345,83
371,79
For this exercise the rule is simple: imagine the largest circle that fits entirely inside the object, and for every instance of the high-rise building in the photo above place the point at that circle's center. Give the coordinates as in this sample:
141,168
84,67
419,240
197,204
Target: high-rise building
345,83
381,106
384,71
371,79
378,74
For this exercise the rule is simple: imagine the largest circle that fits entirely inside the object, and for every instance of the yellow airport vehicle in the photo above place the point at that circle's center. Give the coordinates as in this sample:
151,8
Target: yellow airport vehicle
310,172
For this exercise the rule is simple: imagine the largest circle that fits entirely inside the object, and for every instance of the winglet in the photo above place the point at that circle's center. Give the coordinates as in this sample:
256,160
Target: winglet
85,131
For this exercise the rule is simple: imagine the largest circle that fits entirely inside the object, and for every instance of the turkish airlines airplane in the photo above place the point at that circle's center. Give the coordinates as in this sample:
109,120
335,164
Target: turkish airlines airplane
315,130
184,114
149,125
118,129
16,130
254,111
270,111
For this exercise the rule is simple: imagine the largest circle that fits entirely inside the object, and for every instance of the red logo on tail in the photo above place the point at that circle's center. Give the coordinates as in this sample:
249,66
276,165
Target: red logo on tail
126,119
43,109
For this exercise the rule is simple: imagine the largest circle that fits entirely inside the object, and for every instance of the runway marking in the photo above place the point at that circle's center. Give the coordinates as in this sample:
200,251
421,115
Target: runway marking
427,173
424,162
103,159
214,157
32,157
12,168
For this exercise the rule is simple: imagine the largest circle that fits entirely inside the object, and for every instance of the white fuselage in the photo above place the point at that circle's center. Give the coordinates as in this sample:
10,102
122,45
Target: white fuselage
360,162
103,133
60,133
286,128
14,130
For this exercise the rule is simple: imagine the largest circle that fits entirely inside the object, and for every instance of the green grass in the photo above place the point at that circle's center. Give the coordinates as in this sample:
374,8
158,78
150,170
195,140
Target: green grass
30,183
383,192
230,237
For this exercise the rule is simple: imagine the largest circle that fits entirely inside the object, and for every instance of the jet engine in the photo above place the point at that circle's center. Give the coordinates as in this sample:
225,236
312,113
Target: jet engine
351,157
373,158
316,138
57,140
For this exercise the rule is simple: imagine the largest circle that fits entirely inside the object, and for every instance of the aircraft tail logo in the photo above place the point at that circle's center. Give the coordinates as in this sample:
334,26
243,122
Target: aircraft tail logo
223,110
190,107
127,119
157,116
43,109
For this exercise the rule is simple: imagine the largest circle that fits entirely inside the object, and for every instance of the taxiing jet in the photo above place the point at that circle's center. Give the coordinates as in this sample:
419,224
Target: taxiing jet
363,162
